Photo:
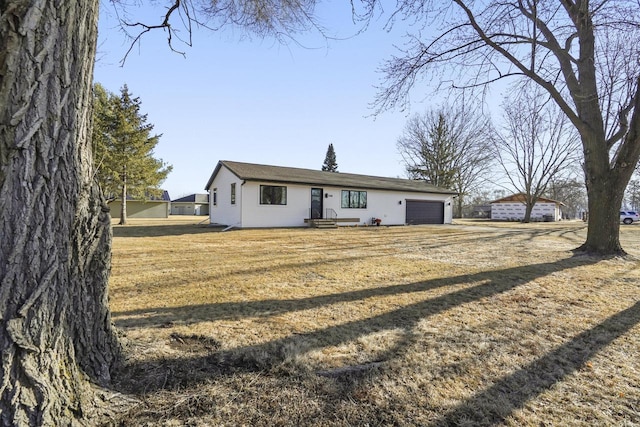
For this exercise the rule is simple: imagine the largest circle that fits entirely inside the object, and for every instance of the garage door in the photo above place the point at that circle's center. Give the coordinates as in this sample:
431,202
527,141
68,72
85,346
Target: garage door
425,212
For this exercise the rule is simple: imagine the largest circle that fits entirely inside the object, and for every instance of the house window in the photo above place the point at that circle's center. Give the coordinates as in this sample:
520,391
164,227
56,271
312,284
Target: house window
233,193
273,195
354,199
215,197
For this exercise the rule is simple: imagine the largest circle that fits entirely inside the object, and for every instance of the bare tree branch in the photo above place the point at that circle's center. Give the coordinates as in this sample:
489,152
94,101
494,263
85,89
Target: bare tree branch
537,145
447,147
583,54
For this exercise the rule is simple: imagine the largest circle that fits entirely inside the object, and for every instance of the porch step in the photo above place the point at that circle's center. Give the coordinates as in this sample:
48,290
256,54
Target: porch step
323,223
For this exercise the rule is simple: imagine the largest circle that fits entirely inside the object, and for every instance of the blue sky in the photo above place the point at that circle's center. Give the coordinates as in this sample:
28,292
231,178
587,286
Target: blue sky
259,101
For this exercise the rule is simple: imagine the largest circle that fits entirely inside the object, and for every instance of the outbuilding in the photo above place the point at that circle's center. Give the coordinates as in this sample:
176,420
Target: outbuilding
152,207
246,195
513,207
193,204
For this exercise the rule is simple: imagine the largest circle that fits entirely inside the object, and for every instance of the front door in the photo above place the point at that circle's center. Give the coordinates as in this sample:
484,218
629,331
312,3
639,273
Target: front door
316,203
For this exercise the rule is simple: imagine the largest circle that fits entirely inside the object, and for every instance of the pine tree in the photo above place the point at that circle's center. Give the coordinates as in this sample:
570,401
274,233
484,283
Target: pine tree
448,147
123,149
330,164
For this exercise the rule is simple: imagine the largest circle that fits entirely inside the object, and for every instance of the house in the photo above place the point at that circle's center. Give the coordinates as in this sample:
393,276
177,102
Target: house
512,208
153,207
193,204
253,195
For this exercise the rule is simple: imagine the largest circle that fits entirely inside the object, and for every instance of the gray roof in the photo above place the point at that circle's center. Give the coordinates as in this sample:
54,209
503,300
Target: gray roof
286,175
193,198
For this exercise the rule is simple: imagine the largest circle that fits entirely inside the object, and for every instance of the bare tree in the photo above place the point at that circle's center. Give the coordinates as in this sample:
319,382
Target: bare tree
536,145
448,147
278,19
583,53
56,337
478,203
633,194
571,192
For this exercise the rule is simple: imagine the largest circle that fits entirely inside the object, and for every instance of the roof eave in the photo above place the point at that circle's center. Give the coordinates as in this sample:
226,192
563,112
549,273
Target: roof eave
363,187
213,175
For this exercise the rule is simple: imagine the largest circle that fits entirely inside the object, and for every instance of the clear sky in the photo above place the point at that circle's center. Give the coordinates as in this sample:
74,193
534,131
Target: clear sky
259,101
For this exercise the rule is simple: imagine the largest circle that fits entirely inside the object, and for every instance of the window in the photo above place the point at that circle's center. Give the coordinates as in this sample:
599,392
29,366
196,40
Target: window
354,199
215,197
233,193
273,195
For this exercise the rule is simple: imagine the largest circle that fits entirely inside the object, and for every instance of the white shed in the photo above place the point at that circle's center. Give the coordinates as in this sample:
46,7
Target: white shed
246,195
193,204
512,208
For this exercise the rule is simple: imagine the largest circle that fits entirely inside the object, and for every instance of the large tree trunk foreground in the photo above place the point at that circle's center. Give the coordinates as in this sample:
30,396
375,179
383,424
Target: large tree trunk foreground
56,336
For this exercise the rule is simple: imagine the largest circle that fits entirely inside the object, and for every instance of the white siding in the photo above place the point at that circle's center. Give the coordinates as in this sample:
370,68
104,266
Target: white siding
389,206
180,208
224,212
290,215
188,208
516,211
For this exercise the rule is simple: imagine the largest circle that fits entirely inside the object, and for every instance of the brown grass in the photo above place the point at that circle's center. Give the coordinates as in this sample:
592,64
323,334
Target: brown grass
470,324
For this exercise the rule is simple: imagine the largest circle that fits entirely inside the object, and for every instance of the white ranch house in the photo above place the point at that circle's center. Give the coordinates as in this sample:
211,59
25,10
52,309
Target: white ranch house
246,195
512,208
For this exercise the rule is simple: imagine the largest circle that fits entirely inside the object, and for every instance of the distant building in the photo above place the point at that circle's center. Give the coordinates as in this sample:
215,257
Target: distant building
193,204
153,207
512,208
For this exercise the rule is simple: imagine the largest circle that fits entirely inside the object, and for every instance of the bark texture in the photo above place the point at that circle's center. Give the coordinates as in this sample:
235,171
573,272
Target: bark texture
604,203
607,182
56,336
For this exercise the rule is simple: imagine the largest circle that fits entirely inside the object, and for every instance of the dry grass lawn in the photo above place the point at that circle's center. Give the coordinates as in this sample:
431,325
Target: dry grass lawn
471,324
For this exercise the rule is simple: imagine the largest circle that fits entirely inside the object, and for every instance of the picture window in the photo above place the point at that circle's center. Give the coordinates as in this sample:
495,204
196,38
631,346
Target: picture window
354,199
273,195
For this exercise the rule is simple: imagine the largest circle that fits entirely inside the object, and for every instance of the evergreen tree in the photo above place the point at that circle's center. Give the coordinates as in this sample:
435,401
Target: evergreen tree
448,147
330,164
123,149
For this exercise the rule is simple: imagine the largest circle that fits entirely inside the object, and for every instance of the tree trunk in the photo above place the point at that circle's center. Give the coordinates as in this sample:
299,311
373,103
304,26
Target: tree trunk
123,197
459,204
603,232
528,207
605,191
56,336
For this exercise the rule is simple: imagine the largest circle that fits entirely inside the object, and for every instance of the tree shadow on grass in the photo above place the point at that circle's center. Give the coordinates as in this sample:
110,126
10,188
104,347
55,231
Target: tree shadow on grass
163,230
162,316
494,404
159,317
141,377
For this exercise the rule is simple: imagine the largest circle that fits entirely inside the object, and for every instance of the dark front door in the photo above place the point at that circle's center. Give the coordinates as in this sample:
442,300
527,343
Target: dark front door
316,203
